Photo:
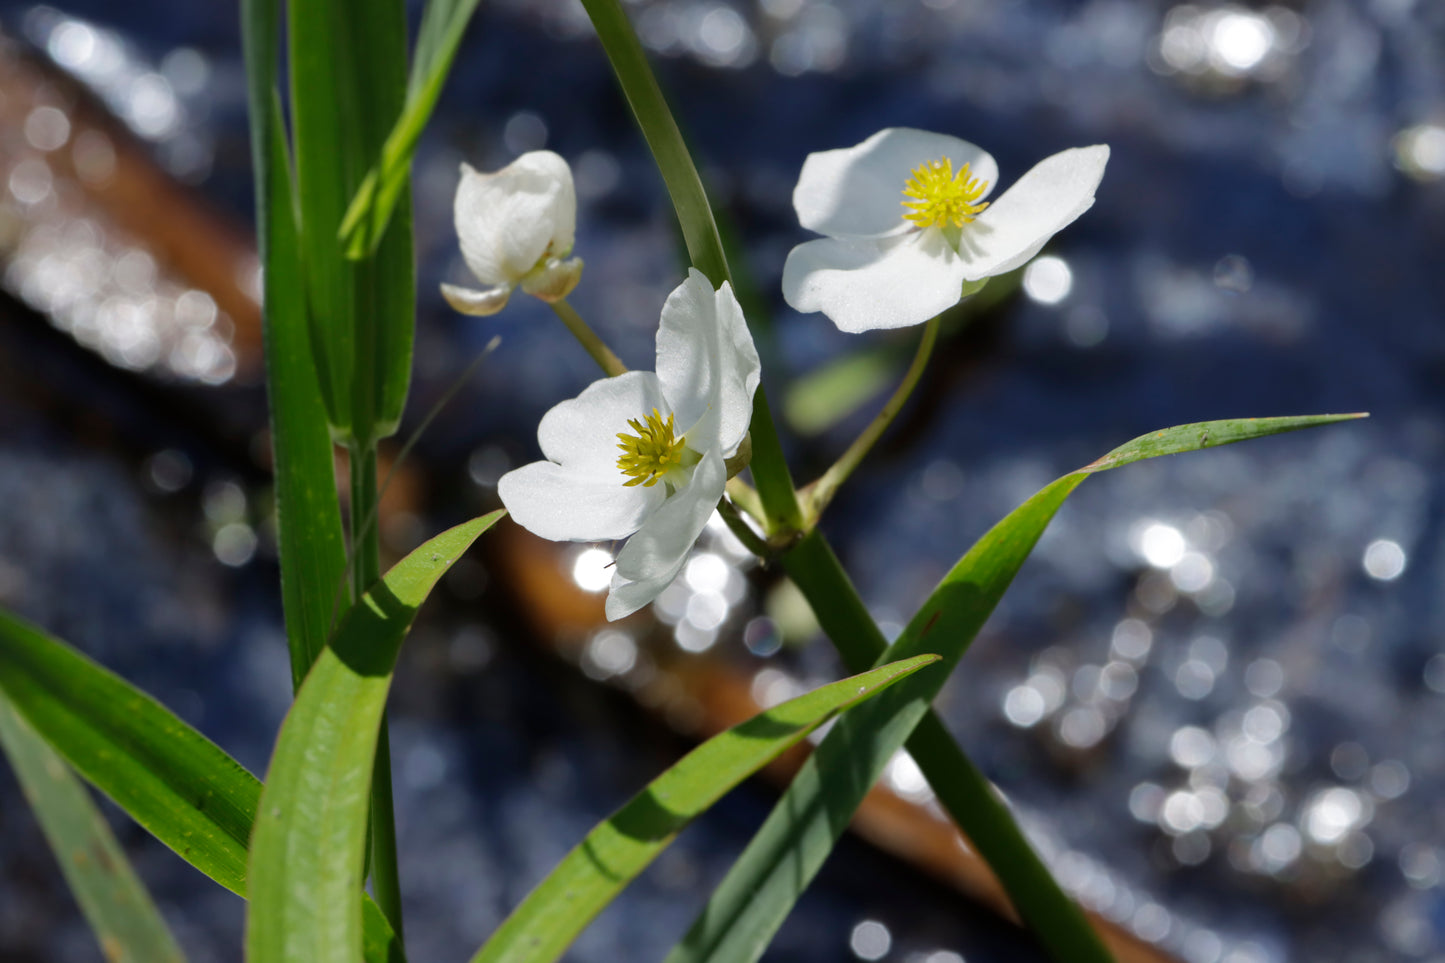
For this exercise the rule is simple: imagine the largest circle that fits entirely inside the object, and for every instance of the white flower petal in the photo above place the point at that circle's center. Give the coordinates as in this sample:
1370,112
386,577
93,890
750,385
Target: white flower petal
858,191
707,363
625,596
507,220
568,505
581,434
554,280
864,285
1043,202
663,541
479,304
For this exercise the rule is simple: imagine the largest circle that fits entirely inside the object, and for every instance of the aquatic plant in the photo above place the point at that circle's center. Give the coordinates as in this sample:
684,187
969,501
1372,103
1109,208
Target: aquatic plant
909,234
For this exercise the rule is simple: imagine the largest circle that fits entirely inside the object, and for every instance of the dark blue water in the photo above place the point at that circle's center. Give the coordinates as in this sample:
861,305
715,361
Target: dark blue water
1217,690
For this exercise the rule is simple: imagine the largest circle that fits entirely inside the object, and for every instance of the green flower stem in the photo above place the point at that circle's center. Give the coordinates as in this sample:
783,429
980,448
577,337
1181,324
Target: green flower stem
679,174
962,790
588,338
745,497
365,570
815,497
739,527
770,472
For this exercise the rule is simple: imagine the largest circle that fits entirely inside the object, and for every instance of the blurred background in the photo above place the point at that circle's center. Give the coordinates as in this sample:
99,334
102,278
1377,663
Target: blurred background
1216,693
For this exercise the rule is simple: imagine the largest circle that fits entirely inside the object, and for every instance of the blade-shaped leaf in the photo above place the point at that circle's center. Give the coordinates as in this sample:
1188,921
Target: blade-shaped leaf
348,81
442,26
601,866
309,846
308,514
962,791
762,886
168,777
114,900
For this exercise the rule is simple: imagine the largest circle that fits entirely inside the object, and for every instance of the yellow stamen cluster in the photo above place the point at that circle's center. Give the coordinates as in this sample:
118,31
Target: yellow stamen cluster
652,452
940,198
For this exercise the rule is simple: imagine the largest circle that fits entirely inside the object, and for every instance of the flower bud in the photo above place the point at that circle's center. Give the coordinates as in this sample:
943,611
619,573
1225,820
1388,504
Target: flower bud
516,226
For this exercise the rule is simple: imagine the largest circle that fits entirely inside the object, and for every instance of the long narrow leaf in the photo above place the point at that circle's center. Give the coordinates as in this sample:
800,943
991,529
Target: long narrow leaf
168,777
308,515
442,26
961,789
114,900
601,866
761,888
348,82
309,846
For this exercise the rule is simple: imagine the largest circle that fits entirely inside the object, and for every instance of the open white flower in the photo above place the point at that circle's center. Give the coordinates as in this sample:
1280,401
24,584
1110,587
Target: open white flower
676,427
516,227
907,226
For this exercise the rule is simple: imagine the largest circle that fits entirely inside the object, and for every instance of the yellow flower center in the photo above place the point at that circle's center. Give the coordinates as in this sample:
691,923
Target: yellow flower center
941,198
652,452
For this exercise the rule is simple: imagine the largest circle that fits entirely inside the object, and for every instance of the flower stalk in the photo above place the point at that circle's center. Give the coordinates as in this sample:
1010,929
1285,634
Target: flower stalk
739,526
595,346
816,496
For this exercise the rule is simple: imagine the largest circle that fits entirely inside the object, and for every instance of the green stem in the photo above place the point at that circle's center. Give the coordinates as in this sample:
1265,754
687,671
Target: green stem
962,790
588,338
659,129
745,497
365,570
770,472
816,496
744,532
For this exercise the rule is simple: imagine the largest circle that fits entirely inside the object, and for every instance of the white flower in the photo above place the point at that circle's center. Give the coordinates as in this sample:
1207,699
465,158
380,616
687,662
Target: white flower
516,227
906,225
676,430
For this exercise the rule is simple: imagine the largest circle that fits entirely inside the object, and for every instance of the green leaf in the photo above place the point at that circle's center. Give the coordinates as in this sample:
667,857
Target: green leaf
601,866
960,788
761,888
348,82
309,846
308,513
168,777
442,26
699,229
114,900
1207,434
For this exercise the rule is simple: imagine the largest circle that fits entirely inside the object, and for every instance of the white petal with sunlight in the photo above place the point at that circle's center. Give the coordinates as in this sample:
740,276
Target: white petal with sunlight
581,433
663,541
1042,202
858,191
862,285
506,220
707,363
550,501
